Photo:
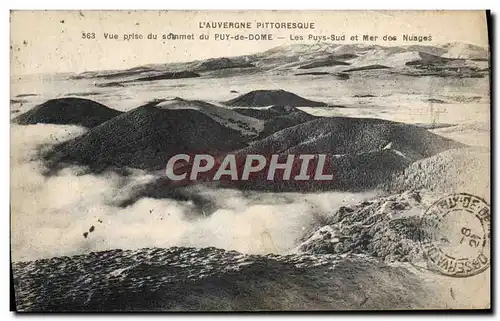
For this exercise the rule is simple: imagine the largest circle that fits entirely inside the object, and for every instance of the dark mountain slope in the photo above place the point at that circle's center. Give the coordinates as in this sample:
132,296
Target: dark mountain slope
270,113
369,67
280,122
277,117
361,152
261,98
168,75
259,113
145,138
345,135
223,63
448,172
68,111
326,62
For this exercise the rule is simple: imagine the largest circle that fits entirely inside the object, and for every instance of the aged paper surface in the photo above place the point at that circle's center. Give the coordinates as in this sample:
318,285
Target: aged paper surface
257,160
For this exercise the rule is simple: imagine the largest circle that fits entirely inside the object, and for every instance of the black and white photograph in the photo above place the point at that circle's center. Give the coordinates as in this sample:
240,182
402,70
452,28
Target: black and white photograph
240,161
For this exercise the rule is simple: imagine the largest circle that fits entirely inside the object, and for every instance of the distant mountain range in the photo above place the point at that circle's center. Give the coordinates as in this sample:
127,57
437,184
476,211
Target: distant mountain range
448,60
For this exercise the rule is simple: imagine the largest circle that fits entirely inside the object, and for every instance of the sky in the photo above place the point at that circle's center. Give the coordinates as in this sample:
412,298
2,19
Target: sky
57,41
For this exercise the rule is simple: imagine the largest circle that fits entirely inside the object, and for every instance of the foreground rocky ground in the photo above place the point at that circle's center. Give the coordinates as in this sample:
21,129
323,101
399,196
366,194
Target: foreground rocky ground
363,257
213,279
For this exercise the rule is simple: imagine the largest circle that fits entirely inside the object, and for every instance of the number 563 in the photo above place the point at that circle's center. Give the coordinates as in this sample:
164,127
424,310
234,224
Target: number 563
88,35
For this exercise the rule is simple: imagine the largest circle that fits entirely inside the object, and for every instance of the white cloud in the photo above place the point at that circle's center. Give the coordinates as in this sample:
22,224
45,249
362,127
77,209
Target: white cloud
50,214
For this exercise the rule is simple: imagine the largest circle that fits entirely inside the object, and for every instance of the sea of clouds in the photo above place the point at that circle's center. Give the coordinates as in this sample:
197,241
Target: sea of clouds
50,214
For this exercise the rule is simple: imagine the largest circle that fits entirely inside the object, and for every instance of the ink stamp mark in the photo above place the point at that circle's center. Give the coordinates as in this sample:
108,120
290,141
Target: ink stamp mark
455,235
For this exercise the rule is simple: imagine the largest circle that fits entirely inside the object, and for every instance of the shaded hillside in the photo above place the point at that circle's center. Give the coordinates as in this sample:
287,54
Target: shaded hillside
370,67
326,62
312,73
362,153
447,72
451,171
270,113
68,111
151,76
110,74
353,173
342,76
226,116
211,279
222,63
26,95
280,122
168,75
110,84
277,117
259,113
346,135
260,98
364,96
145,138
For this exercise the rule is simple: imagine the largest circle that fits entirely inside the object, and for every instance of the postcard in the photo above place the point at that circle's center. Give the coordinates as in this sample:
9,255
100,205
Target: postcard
250,160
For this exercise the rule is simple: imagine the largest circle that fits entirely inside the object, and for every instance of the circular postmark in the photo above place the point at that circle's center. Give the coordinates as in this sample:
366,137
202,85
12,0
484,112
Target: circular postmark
455,235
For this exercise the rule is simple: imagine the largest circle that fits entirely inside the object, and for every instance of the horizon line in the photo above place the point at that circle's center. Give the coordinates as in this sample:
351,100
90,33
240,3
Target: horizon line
436,45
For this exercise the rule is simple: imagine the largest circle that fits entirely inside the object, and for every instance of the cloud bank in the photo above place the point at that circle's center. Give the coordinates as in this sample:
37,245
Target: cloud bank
51,214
